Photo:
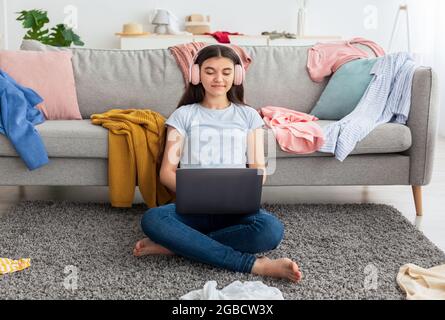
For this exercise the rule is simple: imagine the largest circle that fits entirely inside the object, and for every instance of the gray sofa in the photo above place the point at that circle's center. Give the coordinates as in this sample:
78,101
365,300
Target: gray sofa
392,154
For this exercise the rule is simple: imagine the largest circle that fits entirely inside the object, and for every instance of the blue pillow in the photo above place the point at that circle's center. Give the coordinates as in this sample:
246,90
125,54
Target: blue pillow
344,90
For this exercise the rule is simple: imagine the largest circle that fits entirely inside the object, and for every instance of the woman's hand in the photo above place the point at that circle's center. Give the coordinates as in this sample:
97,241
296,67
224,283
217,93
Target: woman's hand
172,154
255,151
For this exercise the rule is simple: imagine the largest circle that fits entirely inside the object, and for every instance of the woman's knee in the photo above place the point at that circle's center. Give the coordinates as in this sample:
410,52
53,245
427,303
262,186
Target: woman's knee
152,220
271,231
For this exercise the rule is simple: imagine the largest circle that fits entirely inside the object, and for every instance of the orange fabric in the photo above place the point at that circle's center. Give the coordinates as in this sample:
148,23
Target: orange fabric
135,145
295,132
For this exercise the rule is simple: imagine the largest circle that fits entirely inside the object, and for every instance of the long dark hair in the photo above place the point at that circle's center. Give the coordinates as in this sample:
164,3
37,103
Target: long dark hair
195,93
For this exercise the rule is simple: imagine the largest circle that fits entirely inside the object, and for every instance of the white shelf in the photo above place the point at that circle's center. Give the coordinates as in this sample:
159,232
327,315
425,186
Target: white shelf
238,40
165,41
302,41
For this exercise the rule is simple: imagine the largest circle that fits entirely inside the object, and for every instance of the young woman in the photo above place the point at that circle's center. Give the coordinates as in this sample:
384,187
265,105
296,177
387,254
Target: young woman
211,111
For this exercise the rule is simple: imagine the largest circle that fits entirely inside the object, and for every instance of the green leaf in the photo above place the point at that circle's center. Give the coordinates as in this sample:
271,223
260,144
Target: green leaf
69,34
35,19
59,35
63,37
78,42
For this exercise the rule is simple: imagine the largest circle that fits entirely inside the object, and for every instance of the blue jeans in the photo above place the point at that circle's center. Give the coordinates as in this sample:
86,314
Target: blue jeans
227,241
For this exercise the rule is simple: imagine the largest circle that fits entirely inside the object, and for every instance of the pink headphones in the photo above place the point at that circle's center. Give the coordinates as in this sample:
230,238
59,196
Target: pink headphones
239,73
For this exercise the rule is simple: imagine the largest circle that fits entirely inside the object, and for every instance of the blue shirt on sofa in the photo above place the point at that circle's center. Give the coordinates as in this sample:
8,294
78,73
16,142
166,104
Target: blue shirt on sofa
18,116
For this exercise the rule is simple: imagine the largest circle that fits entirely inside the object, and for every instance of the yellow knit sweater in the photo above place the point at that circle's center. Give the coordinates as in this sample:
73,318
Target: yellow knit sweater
135,146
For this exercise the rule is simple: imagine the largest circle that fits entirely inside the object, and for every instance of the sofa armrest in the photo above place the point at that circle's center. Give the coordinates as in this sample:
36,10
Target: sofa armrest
423,123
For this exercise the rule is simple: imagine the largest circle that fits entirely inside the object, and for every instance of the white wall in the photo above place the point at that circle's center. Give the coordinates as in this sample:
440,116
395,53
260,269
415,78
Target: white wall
98,20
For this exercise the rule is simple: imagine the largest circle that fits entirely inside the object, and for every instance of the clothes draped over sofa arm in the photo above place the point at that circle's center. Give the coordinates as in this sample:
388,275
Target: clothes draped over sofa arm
18,115
387,99
326,58
135,145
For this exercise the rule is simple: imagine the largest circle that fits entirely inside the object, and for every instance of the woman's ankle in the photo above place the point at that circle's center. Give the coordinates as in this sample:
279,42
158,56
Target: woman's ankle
259,265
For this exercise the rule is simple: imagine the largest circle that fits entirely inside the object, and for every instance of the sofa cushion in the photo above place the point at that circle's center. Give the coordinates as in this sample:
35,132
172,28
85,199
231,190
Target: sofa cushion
50,74
121,79
385,138
67,138
344,90
150,78
82,139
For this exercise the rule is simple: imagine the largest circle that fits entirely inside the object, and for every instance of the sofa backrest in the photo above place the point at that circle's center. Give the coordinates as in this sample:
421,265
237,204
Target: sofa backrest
151,78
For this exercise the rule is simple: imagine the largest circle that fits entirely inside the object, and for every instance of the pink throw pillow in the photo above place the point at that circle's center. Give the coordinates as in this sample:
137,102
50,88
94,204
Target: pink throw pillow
48,73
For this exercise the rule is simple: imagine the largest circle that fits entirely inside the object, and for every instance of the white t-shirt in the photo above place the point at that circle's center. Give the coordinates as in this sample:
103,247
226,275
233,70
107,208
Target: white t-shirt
214,138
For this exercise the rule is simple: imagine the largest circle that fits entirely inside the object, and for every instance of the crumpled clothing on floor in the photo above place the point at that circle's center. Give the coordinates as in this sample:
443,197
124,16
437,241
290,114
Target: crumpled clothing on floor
249,290
9,265
422,284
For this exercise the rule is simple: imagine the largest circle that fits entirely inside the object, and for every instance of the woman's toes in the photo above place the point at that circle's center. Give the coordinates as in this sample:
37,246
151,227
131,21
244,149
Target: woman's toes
295,272
139,244
298,275
143,243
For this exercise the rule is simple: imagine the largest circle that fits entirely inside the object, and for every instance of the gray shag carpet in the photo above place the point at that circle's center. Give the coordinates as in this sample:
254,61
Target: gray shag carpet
345,251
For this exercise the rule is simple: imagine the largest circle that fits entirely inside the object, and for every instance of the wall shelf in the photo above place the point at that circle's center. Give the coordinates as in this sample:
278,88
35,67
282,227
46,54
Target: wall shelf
165,41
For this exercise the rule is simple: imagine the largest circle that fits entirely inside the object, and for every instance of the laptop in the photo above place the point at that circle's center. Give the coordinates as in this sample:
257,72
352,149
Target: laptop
218,190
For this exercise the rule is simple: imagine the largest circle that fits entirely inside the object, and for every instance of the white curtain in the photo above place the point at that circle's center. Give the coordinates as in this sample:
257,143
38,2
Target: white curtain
427,27
4,25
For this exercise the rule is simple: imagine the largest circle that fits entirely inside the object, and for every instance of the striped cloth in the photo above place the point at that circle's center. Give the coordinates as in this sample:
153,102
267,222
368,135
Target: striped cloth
387,99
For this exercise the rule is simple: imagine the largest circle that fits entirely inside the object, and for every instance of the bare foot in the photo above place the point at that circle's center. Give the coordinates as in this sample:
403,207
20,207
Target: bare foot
278,268
146,246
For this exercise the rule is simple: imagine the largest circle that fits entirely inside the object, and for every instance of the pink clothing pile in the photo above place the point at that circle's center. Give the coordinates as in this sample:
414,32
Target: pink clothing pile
325,58
184,54
295,132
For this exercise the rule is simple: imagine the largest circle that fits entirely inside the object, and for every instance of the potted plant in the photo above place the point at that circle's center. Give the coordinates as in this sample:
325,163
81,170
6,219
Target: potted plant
59,35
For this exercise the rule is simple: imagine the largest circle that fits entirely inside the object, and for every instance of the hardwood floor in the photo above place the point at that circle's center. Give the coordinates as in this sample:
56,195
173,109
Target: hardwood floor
432,223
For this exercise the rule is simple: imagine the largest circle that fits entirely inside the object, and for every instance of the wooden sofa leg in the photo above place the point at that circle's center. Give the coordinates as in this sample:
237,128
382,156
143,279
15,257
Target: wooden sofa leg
21,192
417,193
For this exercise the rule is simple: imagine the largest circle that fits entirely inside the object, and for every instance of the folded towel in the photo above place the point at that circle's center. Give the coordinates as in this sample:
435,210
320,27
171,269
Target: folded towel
295,132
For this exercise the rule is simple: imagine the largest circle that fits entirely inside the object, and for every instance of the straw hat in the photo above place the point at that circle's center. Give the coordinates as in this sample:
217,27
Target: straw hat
197,24
132,29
